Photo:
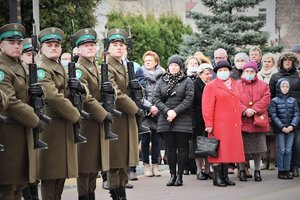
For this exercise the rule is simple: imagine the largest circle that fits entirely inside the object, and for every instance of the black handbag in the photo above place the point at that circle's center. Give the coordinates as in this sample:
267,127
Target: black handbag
207,146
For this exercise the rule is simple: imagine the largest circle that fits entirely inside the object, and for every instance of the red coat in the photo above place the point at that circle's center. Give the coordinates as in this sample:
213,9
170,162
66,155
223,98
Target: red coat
257,92
221,110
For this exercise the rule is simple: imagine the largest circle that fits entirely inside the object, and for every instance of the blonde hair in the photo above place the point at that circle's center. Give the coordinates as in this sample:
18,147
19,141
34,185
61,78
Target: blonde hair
269,55
153,54
201,57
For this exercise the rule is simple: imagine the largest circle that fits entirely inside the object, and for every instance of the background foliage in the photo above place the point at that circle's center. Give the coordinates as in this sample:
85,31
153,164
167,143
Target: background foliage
227,29
162,35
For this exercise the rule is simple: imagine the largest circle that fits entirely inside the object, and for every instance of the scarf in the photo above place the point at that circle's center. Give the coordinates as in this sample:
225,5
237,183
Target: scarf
173,80
227,83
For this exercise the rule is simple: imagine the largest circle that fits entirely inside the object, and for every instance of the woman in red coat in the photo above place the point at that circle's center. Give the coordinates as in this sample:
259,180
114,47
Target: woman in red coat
255,99
222,116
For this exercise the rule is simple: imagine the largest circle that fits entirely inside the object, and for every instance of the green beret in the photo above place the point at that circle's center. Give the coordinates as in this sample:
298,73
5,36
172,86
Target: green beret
12,31
117,34
27,45
51,34
85,35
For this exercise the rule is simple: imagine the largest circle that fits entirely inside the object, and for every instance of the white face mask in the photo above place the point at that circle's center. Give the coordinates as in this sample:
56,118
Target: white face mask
64,63
223,75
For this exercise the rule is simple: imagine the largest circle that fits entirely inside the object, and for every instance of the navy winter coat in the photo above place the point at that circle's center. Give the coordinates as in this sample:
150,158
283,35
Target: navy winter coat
283,110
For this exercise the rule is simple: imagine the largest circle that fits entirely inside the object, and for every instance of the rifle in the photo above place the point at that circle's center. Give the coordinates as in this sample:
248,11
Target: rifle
136,94
74,96
37,102
107,98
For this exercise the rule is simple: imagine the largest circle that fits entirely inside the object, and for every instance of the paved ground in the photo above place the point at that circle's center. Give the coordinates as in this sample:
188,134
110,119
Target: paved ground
154,188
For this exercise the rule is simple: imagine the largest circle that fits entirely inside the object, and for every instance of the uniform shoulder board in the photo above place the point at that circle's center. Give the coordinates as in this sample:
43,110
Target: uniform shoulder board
41,74
79,73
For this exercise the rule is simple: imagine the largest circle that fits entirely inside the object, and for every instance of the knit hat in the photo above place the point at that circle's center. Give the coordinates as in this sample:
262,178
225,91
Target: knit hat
204,66
221,64
251,64
284,82
243,56
296,48
175,59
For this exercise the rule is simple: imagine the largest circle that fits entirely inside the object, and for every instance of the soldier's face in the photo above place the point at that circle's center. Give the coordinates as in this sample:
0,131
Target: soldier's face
51,50
116,49
11,48
27,57
88,49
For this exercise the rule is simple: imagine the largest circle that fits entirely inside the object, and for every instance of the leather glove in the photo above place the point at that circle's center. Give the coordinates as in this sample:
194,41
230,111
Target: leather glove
109,117
36,89
107,87
77,85
135,85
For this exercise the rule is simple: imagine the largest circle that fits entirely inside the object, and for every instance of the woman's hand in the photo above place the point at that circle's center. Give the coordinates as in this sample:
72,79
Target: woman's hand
153,111
250,112
171,115
209,129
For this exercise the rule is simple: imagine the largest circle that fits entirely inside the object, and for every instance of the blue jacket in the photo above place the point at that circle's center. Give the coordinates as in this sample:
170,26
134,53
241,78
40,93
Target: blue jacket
283,110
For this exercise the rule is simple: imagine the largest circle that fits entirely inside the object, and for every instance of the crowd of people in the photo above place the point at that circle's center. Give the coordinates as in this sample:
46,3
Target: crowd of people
250,105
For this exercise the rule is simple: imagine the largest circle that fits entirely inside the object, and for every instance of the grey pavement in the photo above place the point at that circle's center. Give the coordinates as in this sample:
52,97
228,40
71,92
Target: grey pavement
154,188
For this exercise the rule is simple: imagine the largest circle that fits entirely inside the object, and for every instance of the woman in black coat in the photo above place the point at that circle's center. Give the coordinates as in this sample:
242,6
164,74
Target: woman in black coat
173,97
205,76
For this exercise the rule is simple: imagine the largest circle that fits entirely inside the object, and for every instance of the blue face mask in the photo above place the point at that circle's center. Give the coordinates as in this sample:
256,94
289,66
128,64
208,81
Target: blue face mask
249,77
223,75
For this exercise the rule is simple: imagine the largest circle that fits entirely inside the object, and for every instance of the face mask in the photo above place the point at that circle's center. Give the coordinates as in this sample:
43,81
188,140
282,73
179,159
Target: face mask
64,63
223,75
192,70
249,77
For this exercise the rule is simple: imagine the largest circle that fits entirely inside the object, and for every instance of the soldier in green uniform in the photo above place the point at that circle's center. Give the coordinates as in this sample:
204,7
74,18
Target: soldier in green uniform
27,48
31,191
18,161
93,156
59,161
124,151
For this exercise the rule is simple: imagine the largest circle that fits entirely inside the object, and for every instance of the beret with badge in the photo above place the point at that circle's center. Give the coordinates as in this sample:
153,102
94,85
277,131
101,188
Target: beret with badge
12,31
85,35
117,34
51,34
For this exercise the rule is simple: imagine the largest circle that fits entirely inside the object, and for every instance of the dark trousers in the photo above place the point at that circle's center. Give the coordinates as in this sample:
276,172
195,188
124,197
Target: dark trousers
146,138
117,177
86,183
52,189
177,145
11,192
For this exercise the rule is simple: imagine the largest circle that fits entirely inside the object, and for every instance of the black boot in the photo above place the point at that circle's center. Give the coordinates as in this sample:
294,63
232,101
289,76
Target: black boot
172,180
122,193
288,175
34,191
257,176
243,176
27,193
295,172
92,196
225,175
178,181
85,197
282,175
115,194
218,181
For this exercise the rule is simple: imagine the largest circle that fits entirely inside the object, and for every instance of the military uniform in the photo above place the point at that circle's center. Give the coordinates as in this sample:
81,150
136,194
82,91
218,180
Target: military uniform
18,161
60,160
124,151
3,101
97,148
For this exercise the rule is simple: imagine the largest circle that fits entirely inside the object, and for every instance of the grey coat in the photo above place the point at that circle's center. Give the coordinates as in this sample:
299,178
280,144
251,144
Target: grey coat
180,101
